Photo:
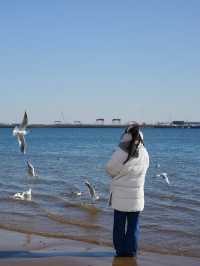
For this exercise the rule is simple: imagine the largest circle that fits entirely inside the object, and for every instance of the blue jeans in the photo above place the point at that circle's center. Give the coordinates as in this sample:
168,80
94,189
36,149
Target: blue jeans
126,232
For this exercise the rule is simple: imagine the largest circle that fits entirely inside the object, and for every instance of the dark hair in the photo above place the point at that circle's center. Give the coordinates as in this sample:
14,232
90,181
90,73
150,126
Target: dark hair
134,130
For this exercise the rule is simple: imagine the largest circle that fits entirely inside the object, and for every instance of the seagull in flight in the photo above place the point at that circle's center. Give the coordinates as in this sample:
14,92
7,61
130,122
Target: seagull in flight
20,132
92,191
165,177
30,169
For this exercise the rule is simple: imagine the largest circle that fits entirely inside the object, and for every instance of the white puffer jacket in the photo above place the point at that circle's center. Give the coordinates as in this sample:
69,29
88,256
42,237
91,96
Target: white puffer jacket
127,185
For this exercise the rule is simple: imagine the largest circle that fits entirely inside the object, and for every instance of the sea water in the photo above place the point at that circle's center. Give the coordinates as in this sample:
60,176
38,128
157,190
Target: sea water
65,157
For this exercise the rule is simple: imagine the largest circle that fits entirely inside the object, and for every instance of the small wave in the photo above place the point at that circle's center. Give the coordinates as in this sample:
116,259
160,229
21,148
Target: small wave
10,199
15,213
56,235
169,251
63,220
178,233
169,197
91,208
183,209
48,197
9,187
150,226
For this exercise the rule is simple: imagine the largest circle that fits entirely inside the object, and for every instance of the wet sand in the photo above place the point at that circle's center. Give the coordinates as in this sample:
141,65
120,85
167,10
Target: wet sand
20,249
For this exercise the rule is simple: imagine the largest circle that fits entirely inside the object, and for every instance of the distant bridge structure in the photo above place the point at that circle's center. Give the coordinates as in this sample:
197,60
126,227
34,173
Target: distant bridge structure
100,121
57,122
77,122
116,121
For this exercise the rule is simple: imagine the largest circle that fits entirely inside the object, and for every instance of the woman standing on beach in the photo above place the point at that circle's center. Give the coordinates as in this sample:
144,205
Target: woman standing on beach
127,167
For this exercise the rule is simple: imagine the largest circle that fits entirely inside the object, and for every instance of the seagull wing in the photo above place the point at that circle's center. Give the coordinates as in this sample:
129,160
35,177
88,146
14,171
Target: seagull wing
167,180
31,170
22,142
15,131
28,193
24,123
165,177
91,189
18,195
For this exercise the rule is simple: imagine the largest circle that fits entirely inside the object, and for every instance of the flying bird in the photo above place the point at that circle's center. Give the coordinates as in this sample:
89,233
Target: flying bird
30,169
92,191
165,177
20,132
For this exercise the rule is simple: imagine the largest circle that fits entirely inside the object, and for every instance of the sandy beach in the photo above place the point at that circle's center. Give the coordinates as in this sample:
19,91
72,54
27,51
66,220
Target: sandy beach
20,249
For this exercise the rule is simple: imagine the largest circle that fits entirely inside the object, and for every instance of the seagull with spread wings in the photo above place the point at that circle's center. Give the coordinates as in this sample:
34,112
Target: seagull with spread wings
20,133
92,191
30,169
165,177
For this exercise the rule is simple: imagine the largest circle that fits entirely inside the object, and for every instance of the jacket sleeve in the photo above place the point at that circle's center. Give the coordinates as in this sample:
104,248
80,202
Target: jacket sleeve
115,164
116,168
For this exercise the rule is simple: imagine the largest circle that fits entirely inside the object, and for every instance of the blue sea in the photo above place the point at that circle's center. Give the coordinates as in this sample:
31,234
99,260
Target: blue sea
65,157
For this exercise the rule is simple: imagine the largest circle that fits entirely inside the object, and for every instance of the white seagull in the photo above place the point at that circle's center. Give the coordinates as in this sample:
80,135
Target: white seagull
20,132
23,195
30,169
28,194
165,177
18,195
92,191
76,193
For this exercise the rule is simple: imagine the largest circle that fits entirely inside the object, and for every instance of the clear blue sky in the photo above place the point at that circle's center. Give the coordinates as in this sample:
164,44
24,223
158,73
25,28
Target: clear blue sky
138,60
